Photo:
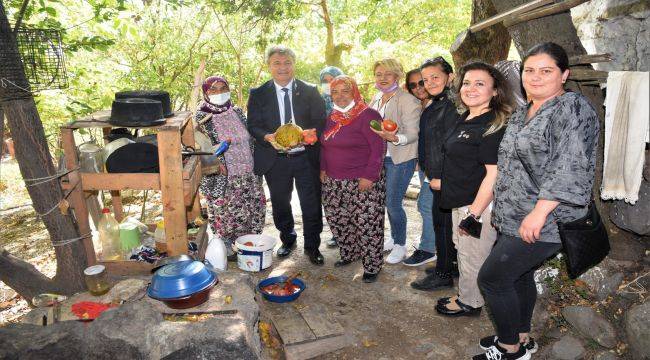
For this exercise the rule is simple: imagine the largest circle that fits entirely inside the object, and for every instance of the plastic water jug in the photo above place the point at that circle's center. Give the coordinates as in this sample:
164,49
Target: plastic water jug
109,236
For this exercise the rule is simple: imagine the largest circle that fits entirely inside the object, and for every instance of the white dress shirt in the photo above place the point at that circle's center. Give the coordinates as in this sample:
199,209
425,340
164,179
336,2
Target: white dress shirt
280,94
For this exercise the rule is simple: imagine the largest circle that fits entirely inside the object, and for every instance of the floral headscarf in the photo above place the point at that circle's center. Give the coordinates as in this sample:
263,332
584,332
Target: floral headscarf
342,119
206,105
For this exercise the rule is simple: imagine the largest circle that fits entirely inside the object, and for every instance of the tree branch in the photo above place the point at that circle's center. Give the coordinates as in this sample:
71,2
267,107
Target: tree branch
19,20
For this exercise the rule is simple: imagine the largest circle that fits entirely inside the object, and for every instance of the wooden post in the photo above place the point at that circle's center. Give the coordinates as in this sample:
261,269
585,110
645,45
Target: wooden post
508,14
188,139
589,59
545,11
76,198
171,185
118,210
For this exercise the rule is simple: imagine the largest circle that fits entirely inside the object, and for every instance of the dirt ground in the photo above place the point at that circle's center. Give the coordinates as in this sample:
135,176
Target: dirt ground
386,319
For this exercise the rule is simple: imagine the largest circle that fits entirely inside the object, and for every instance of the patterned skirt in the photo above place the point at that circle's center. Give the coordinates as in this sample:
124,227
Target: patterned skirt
356,220
236,205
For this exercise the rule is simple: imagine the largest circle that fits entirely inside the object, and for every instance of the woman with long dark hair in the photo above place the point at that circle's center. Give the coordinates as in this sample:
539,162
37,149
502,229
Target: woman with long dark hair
468,176
546,171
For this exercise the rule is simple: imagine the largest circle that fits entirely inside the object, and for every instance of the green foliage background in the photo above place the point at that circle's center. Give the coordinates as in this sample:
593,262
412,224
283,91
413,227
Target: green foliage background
114,45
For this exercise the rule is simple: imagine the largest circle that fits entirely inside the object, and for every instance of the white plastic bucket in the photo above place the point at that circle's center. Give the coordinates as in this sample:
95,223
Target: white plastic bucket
257,257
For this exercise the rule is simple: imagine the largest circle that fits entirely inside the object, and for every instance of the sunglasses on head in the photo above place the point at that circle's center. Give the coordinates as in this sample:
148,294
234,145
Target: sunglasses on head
413,85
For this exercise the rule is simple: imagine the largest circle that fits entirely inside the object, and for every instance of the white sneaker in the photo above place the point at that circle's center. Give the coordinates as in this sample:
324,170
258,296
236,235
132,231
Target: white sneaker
388,243
396,255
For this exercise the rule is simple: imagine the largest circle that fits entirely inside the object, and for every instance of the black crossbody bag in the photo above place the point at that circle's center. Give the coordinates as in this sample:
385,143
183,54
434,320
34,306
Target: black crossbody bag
585,241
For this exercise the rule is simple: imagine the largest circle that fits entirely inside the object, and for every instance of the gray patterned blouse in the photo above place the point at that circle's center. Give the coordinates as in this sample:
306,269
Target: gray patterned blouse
558,146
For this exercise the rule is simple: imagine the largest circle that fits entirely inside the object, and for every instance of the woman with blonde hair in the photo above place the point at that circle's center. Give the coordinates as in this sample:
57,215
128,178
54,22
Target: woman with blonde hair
468,177
393,103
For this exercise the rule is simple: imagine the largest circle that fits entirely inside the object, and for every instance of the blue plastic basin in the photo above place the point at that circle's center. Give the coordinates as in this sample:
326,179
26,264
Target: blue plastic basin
180,279
276,298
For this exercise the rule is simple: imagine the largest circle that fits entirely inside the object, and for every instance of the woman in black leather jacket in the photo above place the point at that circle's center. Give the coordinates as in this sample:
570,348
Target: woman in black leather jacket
436,119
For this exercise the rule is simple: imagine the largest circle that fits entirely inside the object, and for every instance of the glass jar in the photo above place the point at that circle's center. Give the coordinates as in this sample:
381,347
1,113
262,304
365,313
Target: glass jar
97,280
91,159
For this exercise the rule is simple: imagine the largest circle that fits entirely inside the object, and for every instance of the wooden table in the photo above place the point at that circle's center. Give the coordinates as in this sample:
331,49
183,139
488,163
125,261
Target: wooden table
178,183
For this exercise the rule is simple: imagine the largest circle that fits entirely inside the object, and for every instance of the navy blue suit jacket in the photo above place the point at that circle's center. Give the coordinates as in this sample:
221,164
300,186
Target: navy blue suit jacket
264,118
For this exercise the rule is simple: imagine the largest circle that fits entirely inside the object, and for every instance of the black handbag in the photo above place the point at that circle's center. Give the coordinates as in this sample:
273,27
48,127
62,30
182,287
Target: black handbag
585,241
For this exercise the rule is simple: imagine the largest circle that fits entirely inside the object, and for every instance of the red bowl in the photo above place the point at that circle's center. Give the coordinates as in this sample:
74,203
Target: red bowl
190,301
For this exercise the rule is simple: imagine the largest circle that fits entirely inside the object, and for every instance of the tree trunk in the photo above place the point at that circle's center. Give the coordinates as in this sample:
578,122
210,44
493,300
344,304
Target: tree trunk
559,28
332,52
490,45
35,161
2,132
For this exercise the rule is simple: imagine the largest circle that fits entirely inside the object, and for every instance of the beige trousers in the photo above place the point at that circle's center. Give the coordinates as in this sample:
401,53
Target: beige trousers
472,252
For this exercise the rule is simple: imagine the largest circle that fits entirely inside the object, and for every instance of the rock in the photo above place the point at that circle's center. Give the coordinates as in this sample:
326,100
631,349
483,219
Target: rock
591,324
7,294
555,333
442,352
213,350
65,340
635,217
617,27
626,249
126,289
637,327
137,330
223,337
543,276
126,321
602,280
646,167
606,355
568,348
424,347
540,319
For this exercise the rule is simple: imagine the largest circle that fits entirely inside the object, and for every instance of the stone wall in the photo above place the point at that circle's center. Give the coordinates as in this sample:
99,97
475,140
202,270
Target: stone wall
618,27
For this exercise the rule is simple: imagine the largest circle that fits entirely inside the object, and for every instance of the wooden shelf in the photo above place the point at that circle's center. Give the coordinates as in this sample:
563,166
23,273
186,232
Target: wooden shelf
178,182
100,119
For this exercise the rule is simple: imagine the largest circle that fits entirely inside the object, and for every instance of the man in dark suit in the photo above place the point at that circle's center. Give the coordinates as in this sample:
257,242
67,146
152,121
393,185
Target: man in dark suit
280,101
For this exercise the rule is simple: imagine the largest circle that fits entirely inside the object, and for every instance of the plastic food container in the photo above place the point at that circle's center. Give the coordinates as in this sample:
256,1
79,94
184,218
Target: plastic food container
277,298
255,252
97,280
182,284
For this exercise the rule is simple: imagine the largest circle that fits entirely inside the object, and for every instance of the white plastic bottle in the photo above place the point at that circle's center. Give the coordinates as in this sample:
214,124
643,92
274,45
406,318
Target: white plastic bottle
159,236
215,254
109,236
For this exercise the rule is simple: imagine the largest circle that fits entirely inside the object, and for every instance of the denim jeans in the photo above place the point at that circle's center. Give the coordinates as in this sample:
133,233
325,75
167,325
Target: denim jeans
425,204
398,178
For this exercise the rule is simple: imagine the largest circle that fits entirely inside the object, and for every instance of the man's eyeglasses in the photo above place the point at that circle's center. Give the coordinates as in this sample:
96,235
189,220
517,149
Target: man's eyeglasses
413,85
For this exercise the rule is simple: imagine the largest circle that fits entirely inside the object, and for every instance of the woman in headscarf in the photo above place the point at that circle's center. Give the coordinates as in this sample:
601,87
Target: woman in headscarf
353,183
235,197
326,76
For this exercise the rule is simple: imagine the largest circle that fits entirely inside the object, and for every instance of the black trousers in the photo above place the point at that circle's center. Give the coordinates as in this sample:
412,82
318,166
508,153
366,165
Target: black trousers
445,249
280,180
508,284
